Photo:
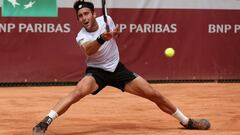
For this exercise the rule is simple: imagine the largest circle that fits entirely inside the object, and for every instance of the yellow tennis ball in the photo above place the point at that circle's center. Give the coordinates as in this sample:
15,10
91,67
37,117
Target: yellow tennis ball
169,52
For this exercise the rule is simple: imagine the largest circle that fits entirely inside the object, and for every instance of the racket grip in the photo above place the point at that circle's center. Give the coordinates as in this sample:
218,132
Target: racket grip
107,28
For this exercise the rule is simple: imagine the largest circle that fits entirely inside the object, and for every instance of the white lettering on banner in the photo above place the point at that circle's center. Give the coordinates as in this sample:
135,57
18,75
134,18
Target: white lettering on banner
223,28
7,27
219,28
153,28
122,27
44,28
149,28
237,28
35,27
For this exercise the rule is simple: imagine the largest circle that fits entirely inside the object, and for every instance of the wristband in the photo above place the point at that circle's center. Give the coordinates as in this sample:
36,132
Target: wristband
100,40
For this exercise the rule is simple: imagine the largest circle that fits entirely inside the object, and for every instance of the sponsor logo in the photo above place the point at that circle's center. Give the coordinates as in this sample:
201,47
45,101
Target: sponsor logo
30,8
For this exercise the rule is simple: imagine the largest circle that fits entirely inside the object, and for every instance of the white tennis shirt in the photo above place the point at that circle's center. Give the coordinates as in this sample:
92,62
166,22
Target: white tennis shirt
107,56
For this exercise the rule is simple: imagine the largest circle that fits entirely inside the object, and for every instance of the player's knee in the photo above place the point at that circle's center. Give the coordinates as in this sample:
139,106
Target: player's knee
76,96
154,96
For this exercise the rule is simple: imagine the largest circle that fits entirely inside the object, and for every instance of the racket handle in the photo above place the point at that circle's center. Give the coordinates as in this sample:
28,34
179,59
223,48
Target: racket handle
107,28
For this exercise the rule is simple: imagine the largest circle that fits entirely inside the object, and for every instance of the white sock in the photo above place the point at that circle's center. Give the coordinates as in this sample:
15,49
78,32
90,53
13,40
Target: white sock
181,117
52,114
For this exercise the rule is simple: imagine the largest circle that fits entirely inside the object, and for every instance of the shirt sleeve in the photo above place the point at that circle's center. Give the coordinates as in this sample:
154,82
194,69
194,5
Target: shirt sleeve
81,39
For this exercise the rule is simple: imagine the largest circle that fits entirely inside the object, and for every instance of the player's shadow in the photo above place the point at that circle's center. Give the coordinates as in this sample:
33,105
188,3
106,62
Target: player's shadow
117,127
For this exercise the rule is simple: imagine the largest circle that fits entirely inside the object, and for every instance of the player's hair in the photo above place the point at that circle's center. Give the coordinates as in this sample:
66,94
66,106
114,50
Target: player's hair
81,4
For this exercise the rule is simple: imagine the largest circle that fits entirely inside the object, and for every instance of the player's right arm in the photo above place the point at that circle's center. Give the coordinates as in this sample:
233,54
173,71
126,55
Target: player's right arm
91,47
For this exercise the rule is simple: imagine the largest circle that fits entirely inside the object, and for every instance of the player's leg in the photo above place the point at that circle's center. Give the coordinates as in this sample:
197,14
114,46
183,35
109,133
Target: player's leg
142,88
86,86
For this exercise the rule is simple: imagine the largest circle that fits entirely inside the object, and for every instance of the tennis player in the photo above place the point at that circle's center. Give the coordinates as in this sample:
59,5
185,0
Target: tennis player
104,68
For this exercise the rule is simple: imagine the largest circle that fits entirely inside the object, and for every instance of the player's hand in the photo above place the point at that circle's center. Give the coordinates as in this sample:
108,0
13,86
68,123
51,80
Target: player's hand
115,33
106,36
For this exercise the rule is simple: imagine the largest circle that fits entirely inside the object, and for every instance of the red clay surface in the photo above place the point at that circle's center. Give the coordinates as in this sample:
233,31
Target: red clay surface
112,112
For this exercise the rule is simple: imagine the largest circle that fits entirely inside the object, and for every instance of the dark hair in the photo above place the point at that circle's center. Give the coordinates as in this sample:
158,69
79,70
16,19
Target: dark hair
81,4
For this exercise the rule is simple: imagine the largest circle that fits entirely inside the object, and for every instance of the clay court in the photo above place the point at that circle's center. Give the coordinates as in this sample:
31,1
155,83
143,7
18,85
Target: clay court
112,112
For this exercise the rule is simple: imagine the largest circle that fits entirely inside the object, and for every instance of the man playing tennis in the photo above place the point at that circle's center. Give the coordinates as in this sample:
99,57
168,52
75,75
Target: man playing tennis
104,68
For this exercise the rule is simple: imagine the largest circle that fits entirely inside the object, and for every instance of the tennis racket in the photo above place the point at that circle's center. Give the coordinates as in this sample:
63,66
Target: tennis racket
104,12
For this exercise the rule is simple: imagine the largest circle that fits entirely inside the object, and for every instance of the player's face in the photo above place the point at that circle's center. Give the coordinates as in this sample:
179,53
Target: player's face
87,19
